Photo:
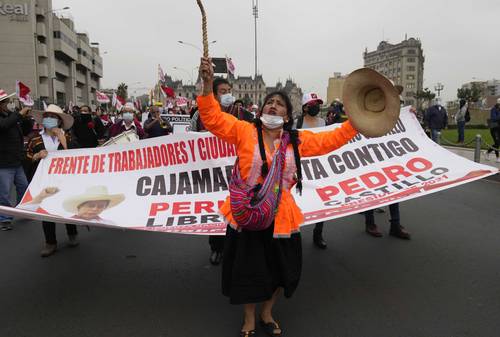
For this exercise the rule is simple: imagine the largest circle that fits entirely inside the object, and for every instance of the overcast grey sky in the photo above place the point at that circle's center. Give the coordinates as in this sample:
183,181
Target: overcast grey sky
304,40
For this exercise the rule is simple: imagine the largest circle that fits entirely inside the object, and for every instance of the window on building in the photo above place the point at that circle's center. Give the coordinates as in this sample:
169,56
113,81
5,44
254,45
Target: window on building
410,68
410,77
411,59
410,86
412,51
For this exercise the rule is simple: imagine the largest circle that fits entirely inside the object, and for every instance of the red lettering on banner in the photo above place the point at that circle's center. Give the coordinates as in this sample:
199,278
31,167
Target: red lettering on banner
201,147
124,161
111,162
86,164
181,208
351,186
171,155
393,172
157,156
206,206
53,165
191,149
412,165
158,207
66,164
367,179
140,164
327,192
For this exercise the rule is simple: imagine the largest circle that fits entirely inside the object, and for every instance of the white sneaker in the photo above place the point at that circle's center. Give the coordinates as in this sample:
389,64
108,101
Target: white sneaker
486,156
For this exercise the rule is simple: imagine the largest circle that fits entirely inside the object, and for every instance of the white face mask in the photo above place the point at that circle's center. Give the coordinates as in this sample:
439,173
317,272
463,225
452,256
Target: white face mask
128,117
271,121
226,100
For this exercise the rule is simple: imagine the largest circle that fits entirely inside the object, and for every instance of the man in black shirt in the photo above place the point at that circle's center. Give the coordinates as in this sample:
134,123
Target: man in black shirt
13,126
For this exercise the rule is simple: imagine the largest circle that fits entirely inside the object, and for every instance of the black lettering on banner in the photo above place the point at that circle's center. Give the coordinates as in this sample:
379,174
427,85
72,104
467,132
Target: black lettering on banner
409,145
184,184
142,183
364,156
202,183
305,167
318,169
333,160
439,171
219,180
159,186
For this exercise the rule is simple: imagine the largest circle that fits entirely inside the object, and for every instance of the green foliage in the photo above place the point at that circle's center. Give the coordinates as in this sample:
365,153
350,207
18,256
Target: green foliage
425,95
122,91
472,94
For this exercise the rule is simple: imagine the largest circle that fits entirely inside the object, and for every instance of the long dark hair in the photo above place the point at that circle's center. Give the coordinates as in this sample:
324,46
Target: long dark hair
288,126
462,103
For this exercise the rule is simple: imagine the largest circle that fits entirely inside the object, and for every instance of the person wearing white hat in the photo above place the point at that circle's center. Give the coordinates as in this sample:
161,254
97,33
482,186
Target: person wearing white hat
51,138
127,122
494,123
87,206
311,104
14,125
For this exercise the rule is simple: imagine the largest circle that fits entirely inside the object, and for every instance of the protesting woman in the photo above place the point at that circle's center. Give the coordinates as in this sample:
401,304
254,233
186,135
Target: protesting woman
51,138
263,251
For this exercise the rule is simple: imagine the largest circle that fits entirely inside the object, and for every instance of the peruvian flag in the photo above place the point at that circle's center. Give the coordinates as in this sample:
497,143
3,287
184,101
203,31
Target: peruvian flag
230,65
23,92
117,101
101,98
169,92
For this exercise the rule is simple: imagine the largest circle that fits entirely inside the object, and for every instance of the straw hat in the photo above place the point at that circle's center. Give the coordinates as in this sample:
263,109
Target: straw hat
371,102
66,118
94,193
4,95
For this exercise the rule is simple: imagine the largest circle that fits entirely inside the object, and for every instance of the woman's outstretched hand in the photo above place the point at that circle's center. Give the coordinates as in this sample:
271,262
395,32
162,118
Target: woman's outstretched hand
207,75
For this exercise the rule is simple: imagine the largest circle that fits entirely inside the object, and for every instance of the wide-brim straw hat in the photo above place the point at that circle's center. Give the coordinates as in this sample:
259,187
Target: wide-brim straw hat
371,102
67,119
94,193
4,95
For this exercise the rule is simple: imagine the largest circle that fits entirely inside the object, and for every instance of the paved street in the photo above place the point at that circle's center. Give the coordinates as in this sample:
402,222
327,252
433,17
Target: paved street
445,282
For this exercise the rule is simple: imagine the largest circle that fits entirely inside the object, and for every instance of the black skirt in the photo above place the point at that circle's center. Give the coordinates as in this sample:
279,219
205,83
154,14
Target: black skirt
255,264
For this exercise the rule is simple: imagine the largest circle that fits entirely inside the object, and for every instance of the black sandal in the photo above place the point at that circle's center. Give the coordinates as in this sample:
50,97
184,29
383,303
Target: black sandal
270,328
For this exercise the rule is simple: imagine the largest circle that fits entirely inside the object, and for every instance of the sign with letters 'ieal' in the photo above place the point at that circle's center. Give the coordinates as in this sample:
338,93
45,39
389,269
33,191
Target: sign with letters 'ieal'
11,9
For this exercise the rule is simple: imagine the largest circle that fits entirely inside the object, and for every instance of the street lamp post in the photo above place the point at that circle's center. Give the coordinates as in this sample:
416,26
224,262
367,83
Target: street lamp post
195,46
255,8
187,72
439,87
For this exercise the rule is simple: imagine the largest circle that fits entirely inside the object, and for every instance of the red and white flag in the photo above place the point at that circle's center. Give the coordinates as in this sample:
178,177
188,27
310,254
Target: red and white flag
181,101
230,65
101,97
23,92
167,91
161,74
138,105
117,101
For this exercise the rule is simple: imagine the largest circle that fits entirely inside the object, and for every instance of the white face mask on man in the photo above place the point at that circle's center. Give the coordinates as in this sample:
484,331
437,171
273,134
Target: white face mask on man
11,106
226,100
272,121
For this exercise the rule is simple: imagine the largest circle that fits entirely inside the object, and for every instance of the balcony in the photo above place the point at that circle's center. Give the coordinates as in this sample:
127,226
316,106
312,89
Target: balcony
62,68
41,49
43,90
40,29
43,70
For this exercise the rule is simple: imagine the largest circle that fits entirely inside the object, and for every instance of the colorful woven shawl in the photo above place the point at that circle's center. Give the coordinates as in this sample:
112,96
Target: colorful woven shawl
254,207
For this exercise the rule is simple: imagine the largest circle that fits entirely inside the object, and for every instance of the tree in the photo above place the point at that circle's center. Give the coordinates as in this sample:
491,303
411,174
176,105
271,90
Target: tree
472,94
424,95
122,91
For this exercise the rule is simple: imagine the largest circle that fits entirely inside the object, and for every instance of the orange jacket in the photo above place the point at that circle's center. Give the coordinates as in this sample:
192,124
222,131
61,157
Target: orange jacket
244,135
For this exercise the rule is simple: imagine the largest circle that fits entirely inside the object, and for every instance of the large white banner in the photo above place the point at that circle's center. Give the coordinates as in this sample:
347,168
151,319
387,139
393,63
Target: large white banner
177,182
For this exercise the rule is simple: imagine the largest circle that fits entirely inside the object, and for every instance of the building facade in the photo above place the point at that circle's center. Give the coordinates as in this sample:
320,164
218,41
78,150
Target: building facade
335,88
403,63
248,89
45,52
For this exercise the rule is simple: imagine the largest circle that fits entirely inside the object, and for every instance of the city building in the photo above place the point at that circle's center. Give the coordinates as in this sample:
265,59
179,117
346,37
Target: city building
294,92
335,87
248,89
403,63
43,50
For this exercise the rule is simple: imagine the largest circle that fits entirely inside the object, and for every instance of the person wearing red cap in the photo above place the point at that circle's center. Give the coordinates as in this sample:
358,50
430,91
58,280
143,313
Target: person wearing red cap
311,104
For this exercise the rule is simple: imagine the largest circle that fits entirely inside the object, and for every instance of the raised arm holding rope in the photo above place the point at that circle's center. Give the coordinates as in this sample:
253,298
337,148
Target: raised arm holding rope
263,251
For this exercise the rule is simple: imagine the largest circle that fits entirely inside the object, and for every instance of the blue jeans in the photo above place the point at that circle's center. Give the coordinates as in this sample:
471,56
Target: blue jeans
9,176
393,210
435,135
461,131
